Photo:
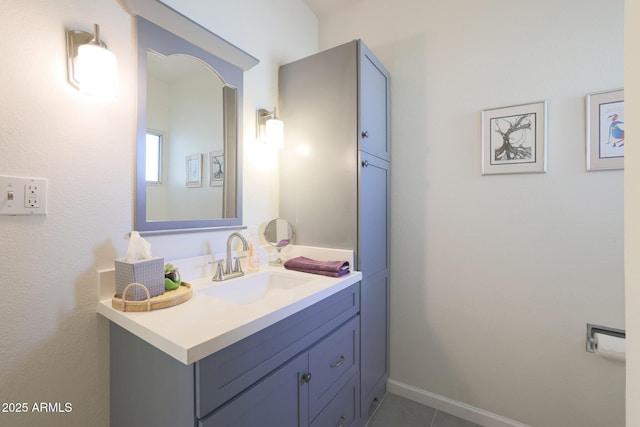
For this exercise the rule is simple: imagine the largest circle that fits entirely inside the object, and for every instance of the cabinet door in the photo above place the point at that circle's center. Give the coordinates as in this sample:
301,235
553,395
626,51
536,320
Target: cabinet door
374,134
374,367
281,399
373,225
374,264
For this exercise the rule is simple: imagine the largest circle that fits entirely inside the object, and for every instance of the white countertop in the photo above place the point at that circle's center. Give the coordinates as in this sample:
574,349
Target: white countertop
204,324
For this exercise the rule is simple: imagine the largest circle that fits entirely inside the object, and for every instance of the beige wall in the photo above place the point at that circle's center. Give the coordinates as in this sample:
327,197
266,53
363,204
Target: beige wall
632,209
495,277
53,346
508,339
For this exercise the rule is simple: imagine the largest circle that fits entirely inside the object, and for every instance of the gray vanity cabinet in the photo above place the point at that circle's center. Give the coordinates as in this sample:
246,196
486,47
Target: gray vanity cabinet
300,371
316,383
335,180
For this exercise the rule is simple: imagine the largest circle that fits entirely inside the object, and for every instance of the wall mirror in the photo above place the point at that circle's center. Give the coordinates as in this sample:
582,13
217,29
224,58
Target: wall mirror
189,153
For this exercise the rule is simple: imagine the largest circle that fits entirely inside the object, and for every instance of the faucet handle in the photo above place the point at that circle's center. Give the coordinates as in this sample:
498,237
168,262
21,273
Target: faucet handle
219,276
238,267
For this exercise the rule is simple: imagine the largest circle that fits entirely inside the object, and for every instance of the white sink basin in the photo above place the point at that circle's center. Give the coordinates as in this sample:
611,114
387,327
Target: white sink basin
254,287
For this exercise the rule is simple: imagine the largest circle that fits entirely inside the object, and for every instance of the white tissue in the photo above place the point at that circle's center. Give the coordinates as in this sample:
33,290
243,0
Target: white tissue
138,248
610,347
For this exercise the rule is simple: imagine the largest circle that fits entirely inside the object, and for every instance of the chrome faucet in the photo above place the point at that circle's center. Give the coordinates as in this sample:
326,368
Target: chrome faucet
230,271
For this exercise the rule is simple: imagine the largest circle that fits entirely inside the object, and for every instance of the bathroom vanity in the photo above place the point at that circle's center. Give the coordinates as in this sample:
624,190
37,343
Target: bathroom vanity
285,358
317,354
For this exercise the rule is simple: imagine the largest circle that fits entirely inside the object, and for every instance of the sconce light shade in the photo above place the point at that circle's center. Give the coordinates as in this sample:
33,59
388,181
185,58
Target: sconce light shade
91,67
269,129
96,70
275,133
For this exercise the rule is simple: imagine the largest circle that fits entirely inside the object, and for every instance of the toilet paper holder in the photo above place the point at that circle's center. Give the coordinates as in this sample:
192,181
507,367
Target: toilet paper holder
592,330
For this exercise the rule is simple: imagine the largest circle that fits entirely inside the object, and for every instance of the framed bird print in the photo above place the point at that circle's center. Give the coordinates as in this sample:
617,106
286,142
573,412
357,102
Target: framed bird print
514,139
194,170
605,130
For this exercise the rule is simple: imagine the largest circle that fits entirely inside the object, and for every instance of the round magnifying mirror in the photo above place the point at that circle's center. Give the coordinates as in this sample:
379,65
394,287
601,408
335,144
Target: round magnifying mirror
278,233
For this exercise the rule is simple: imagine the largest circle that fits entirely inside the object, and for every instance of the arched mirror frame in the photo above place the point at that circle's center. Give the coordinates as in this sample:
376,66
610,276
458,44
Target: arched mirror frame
229,61
156,39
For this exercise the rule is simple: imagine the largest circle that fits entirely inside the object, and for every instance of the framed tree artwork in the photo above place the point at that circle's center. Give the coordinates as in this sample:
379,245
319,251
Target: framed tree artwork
514,139
216,167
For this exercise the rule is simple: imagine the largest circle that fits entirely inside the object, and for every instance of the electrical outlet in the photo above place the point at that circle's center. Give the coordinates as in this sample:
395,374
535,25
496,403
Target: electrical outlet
23,196
31,196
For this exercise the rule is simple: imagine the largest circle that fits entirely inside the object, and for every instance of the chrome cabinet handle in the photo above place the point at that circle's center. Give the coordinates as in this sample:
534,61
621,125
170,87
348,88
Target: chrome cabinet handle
365,163
365,134
342,420
338,363
306,377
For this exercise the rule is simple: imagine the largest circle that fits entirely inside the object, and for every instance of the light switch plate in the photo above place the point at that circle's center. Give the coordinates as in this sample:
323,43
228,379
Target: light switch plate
23,195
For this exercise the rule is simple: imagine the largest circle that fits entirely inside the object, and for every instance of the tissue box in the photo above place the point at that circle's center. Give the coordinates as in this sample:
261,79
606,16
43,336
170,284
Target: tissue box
149,272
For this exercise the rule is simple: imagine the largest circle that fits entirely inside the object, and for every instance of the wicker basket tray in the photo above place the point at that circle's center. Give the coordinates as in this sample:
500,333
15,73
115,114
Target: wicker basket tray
166,300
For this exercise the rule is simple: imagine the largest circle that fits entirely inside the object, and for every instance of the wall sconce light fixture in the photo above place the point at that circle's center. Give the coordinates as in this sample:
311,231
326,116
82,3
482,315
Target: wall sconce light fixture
91,67
269,128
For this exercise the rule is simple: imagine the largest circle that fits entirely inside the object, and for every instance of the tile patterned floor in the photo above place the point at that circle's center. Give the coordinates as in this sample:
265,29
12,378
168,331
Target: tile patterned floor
396,411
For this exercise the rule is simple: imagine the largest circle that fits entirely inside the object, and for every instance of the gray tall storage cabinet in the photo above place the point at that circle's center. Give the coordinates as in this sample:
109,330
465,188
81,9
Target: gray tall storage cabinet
335,180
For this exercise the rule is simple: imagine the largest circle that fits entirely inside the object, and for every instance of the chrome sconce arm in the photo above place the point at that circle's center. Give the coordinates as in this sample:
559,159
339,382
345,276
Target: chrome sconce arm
91,67
269,128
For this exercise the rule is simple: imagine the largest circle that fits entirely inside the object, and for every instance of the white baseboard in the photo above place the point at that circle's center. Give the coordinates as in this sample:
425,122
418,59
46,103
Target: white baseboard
450,406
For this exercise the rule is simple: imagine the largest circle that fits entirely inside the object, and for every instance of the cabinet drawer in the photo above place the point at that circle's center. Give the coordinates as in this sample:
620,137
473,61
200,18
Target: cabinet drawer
228,372
331,363
342,411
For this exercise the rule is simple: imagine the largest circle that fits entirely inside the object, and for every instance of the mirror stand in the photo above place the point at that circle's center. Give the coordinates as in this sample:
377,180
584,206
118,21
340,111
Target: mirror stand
279,234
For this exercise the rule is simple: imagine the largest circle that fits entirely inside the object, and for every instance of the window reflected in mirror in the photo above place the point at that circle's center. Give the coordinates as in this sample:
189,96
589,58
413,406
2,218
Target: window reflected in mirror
153,169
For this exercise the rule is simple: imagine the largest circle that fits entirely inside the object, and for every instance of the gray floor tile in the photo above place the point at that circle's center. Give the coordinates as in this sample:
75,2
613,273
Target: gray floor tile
443,419
396,411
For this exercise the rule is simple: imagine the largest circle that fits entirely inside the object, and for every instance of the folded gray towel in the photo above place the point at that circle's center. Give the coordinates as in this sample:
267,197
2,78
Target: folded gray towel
325,268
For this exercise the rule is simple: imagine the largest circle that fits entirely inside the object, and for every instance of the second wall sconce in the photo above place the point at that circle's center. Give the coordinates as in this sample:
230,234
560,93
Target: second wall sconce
91,67
269,128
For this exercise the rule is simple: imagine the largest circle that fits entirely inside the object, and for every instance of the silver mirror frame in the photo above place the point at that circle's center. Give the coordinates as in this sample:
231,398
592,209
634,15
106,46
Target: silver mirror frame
164,16
155,38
